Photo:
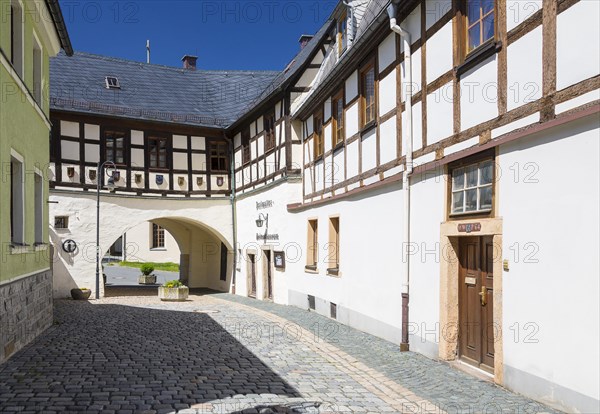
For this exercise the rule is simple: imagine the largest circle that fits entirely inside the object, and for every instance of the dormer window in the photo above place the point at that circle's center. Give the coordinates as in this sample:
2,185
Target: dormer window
342,33
112,82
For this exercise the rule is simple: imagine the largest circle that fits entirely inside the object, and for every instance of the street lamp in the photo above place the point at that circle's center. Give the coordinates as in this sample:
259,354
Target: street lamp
261,220
110,184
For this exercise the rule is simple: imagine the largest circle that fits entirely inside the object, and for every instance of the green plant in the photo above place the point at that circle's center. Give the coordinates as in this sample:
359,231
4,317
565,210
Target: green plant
147,269
173,284
167,267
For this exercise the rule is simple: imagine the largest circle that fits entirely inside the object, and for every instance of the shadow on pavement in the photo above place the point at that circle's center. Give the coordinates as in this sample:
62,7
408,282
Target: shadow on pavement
112,357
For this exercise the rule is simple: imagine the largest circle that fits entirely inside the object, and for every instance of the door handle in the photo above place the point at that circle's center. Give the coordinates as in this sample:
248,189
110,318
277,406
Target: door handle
483,295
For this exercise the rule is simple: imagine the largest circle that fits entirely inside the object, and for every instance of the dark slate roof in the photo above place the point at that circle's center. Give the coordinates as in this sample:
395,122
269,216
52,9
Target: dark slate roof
153,92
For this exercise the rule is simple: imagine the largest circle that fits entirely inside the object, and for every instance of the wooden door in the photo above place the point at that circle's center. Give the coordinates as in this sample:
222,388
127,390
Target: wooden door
252,259
269,275
476,302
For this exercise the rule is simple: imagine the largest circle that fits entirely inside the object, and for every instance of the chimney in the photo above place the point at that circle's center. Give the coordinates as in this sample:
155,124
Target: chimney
189,62
304,39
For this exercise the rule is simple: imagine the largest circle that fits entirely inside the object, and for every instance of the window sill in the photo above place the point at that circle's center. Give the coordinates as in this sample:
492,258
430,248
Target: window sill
40,247
311,269
338,146
470,215
334,272
368,127
158,249
19,249
477,56
319,158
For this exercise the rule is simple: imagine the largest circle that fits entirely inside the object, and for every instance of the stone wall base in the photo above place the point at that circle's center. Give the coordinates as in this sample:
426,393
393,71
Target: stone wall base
25,311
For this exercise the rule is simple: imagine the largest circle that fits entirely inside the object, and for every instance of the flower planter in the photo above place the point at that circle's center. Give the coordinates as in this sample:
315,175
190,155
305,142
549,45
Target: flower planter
147,280
79,294
176,294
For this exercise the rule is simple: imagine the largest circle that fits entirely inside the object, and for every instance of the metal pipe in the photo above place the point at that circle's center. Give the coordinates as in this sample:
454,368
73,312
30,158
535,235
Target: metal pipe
99,179
233,216
408,146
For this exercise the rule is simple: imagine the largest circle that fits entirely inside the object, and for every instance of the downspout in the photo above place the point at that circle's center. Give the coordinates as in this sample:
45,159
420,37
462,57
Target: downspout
233,215
408,146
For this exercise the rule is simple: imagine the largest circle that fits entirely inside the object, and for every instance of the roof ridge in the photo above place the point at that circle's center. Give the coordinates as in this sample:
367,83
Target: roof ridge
179,69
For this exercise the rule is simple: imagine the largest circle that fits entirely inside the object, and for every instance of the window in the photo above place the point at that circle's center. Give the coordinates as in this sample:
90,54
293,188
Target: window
312,245
338,120
269,124
246,152
39,209
16,37
368,108
218,156
342,33
480,23
472,188
114,147
61,222
157,149
17,194
224,253
333,249
37,72
158,237
112,82
318,147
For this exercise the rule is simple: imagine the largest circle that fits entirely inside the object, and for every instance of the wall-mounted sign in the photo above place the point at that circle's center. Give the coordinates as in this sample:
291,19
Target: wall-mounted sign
199,181
160,179
469,227
261,205
181,181
116,175
70,172
138,178
92,175
220,181
267,237
69,246
279,260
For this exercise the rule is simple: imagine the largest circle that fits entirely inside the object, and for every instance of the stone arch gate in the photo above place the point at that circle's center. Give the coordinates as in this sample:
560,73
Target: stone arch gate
200,227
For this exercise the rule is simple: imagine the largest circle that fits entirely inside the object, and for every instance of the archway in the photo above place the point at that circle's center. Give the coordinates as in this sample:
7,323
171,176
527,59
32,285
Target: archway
201,228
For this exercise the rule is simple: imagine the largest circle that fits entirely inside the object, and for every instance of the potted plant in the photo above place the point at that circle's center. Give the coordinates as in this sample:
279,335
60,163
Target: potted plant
147,278
173,290
81,294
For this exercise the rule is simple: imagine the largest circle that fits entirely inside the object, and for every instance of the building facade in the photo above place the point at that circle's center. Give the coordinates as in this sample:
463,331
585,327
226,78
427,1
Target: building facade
405,175
146,242
30,33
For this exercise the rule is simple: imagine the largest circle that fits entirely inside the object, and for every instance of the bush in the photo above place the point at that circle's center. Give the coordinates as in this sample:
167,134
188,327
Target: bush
173,284
147,269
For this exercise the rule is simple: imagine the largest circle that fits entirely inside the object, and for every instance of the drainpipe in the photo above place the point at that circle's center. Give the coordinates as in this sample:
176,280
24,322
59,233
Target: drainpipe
233,215
408,145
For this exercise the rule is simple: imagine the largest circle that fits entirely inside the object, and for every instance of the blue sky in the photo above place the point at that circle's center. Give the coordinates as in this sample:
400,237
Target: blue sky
249,35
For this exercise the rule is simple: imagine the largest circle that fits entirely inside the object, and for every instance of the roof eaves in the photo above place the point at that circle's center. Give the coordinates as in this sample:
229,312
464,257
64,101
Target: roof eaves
59,24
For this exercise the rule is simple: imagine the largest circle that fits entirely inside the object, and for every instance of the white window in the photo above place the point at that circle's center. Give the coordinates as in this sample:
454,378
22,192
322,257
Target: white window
17,194
39,209
16,36
158,237
472,188
112,82
37,72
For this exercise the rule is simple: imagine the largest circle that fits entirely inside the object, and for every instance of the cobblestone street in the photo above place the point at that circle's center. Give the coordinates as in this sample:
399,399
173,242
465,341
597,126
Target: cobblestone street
226,354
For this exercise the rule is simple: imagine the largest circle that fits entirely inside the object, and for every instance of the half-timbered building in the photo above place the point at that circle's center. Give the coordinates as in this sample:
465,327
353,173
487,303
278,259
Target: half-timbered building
406,174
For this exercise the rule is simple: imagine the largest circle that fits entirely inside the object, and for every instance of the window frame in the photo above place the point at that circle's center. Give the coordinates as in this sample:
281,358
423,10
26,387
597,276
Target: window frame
221,156
39,208
366,68
466,25
151,137
246,150
105,152
334,241
269,130
17,55
342,33
157,239
17,200
318,137
312,244
336,129
464,163
38,70
64,219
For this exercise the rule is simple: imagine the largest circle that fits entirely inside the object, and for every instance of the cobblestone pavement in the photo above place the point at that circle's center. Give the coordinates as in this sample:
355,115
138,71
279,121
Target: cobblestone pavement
220,353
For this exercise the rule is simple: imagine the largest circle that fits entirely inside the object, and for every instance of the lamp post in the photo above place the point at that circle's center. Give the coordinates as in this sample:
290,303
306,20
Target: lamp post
110,185
262,219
